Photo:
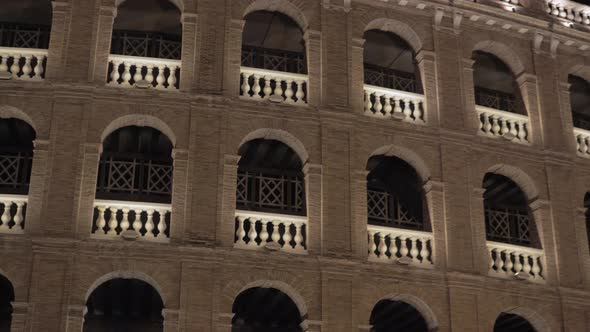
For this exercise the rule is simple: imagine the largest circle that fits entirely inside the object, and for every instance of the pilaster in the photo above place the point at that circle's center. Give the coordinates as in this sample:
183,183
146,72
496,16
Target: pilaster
357,76
358,187
37,187
21,315
470,117
479,239
57,41
171,318
179,194
104,35
313,189
313,46
190,52
233,57
565,108
427,65
434,194
226,223
530,96
89,175
583,245
541,211
75,318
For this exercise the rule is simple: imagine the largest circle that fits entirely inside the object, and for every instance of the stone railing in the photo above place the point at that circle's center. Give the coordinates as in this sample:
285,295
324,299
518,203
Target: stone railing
569,10
389,103
22,63
129,71
400,245
13,208
259,84
510,126
582,138
259,230
511,261
131,220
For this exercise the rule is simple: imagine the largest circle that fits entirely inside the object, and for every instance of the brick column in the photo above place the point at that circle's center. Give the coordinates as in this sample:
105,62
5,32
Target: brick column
226,224
433,191
104,35
233,57
359,213
313,190
470,118
171,318
21,314
190,54
427,66
92,153
479,236
566,113
583,245
57,41
541,211
357,74
37,187
528,88
314,70
75,318
179,193
224,322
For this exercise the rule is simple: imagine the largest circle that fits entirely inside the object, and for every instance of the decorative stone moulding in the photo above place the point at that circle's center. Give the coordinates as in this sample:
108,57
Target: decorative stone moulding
13,208
406,247
25,64
388,103
259,230
131,220
275,86
582,138
511,261
500,124
569,10
133,71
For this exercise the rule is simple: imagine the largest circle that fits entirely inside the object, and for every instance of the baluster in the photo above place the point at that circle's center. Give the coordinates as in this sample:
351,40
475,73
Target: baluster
138,76
562,12
387,105
492,261
18,216
252,233
368,104
513,130
372,246
586,141
113,223
536,266
298,236
149,223
240,233
126,73
289,91
499,262
256,87
396,106
377,106
392,247
517,263
526,268
555,11
508,261
115,73
278,88
586,19
382,246
263,232
137,225
5,216
125,220
15,68
300,94
101,222
495,126
275,237
149,74
522,131
267,88
570,14
162,223
578,16
172,79
582,147
414,250
418,112
407,110
245,85
424,253
287,235
39,69
487,126
504,126
27,69
161,78
3,63
403,246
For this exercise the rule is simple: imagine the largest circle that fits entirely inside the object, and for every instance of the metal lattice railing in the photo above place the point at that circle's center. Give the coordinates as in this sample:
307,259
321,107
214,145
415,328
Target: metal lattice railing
495,99
146,44
15,172
391,79
258,191
508,226
24,35
277,60
386,209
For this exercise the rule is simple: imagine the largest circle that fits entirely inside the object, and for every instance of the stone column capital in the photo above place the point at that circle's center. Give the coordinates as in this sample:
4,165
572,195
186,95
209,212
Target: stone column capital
468,63
93,148
231,160
312,169
311,35
360,175
179,154
171,315
478,192
108,11
41,144
358,42
424,55
188,18
539,204
526,78
237,24
433,186
59,6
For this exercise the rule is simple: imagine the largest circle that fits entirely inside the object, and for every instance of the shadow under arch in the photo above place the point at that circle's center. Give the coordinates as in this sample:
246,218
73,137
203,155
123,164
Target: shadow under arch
536,320
7,112
140,120
178,3
278,135
401,29
522,179
282,6
126,275
407,155
502,52
419,305
283,287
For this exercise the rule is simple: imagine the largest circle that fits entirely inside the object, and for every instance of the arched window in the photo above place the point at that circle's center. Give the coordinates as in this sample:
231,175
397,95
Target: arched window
265,310
6,298
398,223
134,185
124,305
144,31
580,101
507,322
397,316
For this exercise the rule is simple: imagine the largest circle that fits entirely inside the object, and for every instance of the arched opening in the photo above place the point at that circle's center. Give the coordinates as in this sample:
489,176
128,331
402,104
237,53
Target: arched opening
495,84
6,298
261,309
25,24
580,101
124,305
389,62
508,322
135,166
587,214
394,316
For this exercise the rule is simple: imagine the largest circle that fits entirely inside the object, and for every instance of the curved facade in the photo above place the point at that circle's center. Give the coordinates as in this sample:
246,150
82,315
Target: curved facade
503,192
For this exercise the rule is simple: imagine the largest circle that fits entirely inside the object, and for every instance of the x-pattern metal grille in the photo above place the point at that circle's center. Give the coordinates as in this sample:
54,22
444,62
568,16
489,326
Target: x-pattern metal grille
276,60
508,225
385,208
26,39
495,99
377,204
261,191
24,35
271,191
391,79
170,49
121,176
146,44
242,189
159,179
9,170
15,172
135,46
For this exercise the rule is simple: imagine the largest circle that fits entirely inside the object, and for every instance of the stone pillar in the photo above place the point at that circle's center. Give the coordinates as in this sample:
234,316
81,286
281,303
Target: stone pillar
357,74
470,117
528,88
359,213
226,225
75,318
541,211
433,192
57,41
314,70
583,245
190,55
568,121
20,317
313,190
37,186
224,322
480,249
89,175
104,35
171,318
427,66
233,57
179,193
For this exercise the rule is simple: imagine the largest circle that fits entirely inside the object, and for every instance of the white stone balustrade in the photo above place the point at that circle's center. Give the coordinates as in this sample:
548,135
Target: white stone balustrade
404,246
582,138
23,63
569,10
157,73
496,123
388,103
271,231
511,261
259,84
12,218
116,217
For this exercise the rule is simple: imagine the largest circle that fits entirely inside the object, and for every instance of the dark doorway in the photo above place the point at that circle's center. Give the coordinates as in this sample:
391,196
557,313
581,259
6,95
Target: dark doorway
397,316
512,323
265,310
6,298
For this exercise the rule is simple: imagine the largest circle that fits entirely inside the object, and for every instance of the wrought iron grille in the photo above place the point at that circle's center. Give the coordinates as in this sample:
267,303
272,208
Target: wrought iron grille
391,79
508,226
261,191
264,58
581,121
15,172
24,35
146,44
495,99
134,179
386,209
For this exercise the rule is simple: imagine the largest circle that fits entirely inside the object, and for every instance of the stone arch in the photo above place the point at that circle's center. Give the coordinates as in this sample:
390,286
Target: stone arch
282,6
279,135
7,112
178,3
420,305
536,320
398,28
283,287
125,275
141,120
502,52
522,179
406,155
